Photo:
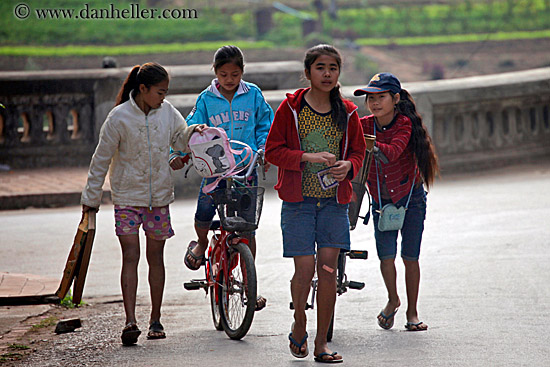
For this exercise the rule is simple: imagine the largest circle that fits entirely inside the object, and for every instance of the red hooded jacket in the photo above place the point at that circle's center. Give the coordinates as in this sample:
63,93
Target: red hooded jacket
393,141
283,149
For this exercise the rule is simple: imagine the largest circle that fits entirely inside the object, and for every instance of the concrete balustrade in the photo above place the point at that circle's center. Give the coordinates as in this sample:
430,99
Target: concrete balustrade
53,118
487,121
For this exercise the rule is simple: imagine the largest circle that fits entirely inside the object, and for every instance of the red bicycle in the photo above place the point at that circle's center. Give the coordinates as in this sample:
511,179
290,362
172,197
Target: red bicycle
230,272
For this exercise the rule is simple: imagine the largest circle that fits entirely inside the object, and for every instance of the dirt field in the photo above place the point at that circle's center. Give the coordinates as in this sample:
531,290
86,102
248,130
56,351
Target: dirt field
409,63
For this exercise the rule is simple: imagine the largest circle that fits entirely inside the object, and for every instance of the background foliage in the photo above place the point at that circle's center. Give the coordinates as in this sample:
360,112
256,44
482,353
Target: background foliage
364,22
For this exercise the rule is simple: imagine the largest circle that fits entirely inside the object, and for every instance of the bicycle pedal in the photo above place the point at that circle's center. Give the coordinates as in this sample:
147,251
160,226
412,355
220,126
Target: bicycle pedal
193,285
358,254
356,285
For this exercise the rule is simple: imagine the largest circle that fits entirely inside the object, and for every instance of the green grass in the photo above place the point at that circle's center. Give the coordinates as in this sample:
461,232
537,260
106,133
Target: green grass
91,50
10,357
459,38
19,346
50,321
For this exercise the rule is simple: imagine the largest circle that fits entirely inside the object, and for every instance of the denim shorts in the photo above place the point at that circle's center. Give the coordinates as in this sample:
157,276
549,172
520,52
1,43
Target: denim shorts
314,221
411,233
206,209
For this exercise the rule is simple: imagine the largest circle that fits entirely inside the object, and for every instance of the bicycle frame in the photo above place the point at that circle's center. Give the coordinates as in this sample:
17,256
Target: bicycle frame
222,243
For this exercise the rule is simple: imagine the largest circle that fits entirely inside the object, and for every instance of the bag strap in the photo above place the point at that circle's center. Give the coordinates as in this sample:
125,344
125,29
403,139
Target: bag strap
378,180
233,171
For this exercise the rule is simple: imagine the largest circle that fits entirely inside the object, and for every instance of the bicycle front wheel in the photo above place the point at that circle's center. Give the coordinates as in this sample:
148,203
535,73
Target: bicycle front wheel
215,289
238,293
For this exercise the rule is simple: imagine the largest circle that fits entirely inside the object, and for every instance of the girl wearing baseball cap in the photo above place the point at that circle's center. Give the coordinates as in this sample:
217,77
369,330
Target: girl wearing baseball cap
405,160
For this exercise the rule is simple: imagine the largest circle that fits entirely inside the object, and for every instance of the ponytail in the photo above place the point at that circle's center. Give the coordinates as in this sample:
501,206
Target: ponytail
421,143
339,113
129,84
147,74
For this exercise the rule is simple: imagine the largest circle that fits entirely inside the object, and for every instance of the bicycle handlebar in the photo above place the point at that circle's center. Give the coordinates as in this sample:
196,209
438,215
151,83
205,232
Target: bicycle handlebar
253,164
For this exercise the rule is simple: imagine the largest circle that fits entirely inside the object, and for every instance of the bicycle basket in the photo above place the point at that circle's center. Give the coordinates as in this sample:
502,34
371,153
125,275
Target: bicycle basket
239,208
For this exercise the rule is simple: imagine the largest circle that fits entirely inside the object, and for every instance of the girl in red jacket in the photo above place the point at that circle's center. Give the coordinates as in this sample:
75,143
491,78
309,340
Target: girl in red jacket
317,143
405,159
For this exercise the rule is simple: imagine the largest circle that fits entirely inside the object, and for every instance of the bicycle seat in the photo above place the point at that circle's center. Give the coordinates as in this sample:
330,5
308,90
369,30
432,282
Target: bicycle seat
238,224
215,225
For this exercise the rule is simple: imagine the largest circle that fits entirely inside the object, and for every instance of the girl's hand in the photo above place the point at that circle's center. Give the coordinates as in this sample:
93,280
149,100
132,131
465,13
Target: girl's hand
86,208
199,129
323,157
179,162
340,170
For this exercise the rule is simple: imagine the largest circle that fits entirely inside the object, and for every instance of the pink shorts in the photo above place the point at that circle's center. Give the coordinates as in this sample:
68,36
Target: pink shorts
156,222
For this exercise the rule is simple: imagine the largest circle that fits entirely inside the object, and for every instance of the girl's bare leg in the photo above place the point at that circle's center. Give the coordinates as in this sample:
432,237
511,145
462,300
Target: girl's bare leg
128,276
155,259
412,281
387,267
304,268
327,262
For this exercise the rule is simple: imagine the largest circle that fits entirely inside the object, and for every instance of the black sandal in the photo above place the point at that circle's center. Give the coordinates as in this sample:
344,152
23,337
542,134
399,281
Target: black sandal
197,260
130,334
156,331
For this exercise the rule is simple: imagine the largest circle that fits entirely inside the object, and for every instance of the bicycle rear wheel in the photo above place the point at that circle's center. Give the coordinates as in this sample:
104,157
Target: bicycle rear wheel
238,292
215,306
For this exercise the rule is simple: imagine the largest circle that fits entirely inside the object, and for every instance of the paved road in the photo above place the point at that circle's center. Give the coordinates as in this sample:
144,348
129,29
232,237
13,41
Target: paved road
484,290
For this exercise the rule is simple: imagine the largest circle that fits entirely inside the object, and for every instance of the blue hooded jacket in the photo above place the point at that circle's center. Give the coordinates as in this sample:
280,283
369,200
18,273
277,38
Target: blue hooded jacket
247,118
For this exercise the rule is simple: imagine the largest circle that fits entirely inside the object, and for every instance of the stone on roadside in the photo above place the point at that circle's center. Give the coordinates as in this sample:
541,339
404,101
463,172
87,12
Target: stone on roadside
67,326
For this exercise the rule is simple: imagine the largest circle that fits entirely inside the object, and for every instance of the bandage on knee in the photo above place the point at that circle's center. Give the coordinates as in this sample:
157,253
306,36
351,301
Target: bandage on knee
328,268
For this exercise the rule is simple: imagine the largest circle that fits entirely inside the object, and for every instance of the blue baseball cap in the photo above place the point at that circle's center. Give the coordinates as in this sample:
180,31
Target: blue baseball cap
382,82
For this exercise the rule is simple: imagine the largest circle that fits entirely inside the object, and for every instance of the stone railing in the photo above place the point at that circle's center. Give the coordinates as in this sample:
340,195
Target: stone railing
53,118
488,121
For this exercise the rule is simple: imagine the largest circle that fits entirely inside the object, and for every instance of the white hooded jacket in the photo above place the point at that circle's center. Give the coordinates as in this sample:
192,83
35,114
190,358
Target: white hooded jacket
136,147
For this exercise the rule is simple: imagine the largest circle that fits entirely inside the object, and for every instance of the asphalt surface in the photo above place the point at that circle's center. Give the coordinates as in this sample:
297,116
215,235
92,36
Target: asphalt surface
484,289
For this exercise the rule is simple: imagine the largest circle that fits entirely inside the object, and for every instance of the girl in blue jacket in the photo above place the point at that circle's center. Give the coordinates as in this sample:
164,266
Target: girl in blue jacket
241,110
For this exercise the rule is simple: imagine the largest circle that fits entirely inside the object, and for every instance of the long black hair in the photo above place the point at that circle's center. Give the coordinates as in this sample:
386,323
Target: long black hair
420,142
147,74
338,109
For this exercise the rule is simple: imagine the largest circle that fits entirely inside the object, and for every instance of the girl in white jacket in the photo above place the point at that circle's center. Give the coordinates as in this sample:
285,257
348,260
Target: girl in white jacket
134,145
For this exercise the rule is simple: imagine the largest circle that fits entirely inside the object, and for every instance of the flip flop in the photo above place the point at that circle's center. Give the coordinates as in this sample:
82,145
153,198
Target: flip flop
198,259
387,324
299,345
156,331
411,326
320,358
130,334
261,302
